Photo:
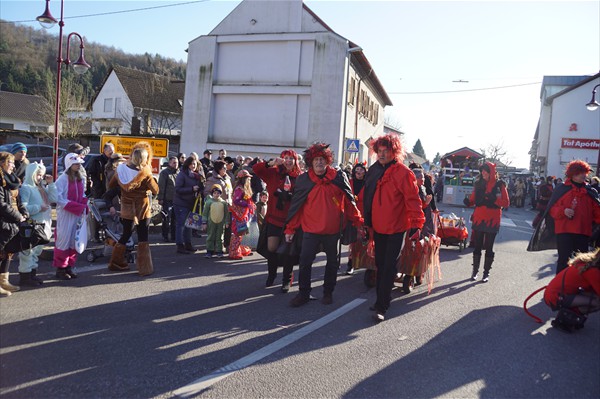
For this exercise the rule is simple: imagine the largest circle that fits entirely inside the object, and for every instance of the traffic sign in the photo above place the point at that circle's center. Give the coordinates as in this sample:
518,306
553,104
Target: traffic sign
124,144
352,145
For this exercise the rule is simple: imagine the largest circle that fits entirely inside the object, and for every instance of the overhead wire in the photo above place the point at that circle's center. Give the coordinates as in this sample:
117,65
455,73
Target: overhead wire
464,90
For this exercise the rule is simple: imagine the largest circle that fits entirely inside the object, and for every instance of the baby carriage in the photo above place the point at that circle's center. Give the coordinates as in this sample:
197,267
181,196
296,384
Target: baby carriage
110,230
453,231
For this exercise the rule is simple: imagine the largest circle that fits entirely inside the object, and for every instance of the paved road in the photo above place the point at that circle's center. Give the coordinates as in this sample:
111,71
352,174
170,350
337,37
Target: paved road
209,329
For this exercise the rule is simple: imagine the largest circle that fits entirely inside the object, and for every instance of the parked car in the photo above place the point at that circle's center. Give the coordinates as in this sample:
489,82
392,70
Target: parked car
38,152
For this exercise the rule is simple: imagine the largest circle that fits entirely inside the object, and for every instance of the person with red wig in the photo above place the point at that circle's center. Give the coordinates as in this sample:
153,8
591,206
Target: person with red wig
322,199
279,175
489,196
574,206
392,207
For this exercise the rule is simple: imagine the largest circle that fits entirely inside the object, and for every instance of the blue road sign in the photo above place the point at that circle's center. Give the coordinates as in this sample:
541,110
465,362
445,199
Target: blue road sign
352,145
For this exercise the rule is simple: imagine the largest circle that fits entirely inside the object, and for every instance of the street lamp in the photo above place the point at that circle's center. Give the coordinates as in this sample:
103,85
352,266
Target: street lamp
593,104
80,66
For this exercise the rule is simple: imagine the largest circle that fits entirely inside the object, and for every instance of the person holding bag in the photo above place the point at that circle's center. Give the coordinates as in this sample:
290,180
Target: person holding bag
135,180
36,197
71,207
242,210
188,186
11,214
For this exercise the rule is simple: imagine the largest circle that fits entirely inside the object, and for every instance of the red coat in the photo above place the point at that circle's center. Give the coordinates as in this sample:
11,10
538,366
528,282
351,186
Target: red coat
324,207
586,211
487,215
588,280
396,204
274,178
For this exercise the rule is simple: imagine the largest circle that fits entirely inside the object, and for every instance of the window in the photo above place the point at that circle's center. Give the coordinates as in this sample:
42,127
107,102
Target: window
351,91
117,107
108,105
7,126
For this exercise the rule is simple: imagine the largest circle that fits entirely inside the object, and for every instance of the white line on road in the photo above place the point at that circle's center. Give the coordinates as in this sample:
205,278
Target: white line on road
197,386
507,223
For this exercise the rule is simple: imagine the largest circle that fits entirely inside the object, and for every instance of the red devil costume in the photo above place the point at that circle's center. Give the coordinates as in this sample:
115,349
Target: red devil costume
489,197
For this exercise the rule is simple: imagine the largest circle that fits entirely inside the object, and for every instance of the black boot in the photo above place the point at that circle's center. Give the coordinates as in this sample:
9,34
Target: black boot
487,265
476,263
61,274
25,280
70,272
271,268
34,277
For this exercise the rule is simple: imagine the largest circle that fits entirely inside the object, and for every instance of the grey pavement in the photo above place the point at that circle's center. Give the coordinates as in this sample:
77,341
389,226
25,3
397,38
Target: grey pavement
117,335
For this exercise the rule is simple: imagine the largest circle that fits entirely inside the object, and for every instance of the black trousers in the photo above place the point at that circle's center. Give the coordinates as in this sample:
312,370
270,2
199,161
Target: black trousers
567,244
310,248
484,240
168,223
142,230
387,252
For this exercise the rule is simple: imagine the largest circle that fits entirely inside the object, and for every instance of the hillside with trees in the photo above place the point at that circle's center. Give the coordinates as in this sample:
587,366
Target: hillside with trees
28,64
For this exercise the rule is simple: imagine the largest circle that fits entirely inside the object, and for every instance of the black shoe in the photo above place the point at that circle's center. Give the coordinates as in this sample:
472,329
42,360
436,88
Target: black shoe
189,248
270,281
25,280
181,250
327,299
34,277
474,277
166,239
61,274
486,278
378,317
285,288
70,272
299,300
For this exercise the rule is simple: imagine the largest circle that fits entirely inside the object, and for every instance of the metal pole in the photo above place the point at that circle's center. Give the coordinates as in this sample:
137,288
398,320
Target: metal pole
59,62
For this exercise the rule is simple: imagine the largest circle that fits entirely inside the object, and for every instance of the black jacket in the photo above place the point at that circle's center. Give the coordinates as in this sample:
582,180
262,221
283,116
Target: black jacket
9,216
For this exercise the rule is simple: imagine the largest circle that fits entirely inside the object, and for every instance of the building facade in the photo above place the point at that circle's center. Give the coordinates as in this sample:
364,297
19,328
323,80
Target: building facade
566,130
272,75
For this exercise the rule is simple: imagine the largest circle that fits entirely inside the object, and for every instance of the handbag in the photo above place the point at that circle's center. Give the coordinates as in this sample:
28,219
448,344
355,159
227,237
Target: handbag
567,319
81,234
31,234
242,227
194,218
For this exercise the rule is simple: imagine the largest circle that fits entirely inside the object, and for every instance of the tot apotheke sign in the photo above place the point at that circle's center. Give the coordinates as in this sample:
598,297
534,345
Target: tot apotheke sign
581,144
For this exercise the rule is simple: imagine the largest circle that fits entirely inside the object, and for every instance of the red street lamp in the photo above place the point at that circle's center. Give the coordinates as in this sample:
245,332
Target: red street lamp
80,66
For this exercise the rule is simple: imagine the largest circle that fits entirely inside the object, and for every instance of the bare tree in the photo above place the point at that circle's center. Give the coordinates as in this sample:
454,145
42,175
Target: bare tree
496,153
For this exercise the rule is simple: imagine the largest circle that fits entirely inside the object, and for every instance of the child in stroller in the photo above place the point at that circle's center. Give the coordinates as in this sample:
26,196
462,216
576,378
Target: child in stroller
110,230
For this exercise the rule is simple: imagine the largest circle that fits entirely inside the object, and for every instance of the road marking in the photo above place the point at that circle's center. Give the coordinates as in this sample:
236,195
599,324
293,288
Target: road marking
507,223
199,385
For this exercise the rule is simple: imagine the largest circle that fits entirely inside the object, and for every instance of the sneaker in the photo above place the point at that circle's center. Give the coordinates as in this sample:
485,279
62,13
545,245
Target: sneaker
299,300
220,254
327,299
474,277
209,254
285,288
350,271
486,278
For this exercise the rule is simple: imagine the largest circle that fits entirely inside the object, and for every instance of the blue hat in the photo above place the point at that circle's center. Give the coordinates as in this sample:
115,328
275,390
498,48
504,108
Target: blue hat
18,147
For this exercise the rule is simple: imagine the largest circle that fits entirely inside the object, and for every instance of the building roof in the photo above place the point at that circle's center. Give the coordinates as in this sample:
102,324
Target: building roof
580,81
25,107
560,81
151,91
412,157
360,61
463,152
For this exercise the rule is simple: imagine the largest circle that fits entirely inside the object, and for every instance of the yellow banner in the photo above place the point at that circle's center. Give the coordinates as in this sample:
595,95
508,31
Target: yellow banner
124,144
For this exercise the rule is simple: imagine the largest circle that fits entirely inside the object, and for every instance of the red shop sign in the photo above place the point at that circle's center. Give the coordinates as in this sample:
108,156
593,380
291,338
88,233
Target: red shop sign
582,144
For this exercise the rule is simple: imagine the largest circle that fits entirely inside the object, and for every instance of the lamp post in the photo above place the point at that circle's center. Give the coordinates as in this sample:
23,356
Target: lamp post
80,66
592,106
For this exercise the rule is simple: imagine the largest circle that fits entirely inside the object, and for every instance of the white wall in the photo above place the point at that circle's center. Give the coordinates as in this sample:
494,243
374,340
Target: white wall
121,110
567,109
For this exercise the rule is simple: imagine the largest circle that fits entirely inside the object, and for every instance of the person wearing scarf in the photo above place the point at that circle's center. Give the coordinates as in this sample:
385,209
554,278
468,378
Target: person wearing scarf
275,173
489,196
36,197
392,208
12,212
321,200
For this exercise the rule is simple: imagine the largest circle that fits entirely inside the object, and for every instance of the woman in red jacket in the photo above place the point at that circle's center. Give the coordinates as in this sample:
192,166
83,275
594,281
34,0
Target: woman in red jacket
279,175
577,287
489,197
392,207
321,200
574,206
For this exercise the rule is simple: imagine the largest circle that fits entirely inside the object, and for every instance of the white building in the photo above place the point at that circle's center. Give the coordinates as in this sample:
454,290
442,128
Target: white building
130,100
566,130
272,75
25,113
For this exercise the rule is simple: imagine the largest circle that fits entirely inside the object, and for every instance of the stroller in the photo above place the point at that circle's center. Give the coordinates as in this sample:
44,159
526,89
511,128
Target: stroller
110,230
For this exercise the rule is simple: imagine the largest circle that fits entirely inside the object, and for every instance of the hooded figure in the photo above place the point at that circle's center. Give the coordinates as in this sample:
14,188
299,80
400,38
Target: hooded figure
36,196
489,196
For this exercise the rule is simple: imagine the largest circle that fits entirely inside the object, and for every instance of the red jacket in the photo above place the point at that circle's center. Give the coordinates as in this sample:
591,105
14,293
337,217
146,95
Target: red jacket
396,203
274,177
324,207
487,216
589,280
586,211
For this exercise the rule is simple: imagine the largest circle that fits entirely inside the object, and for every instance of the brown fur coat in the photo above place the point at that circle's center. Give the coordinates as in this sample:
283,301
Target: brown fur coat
135,204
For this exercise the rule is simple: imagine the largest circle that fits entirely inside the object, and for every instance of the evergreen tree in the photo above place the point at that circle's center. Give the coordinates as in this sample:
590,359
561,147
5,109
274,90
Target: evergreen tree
437,159
418,149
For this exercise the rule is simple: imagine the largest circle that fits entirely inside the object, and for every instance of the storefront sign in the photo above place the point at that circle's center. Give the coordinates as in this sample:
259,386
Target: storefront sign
124,144
582,144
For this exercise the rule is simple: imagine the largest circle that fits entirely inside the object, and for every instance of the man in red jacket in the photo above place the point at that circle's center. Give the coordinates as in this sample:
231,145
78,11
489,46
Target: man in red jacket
574,206
321,199
392,207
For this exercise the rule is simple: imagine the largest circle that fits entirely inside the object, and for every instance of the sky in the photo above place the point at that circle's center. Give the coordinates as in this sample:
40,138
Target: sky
458,73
